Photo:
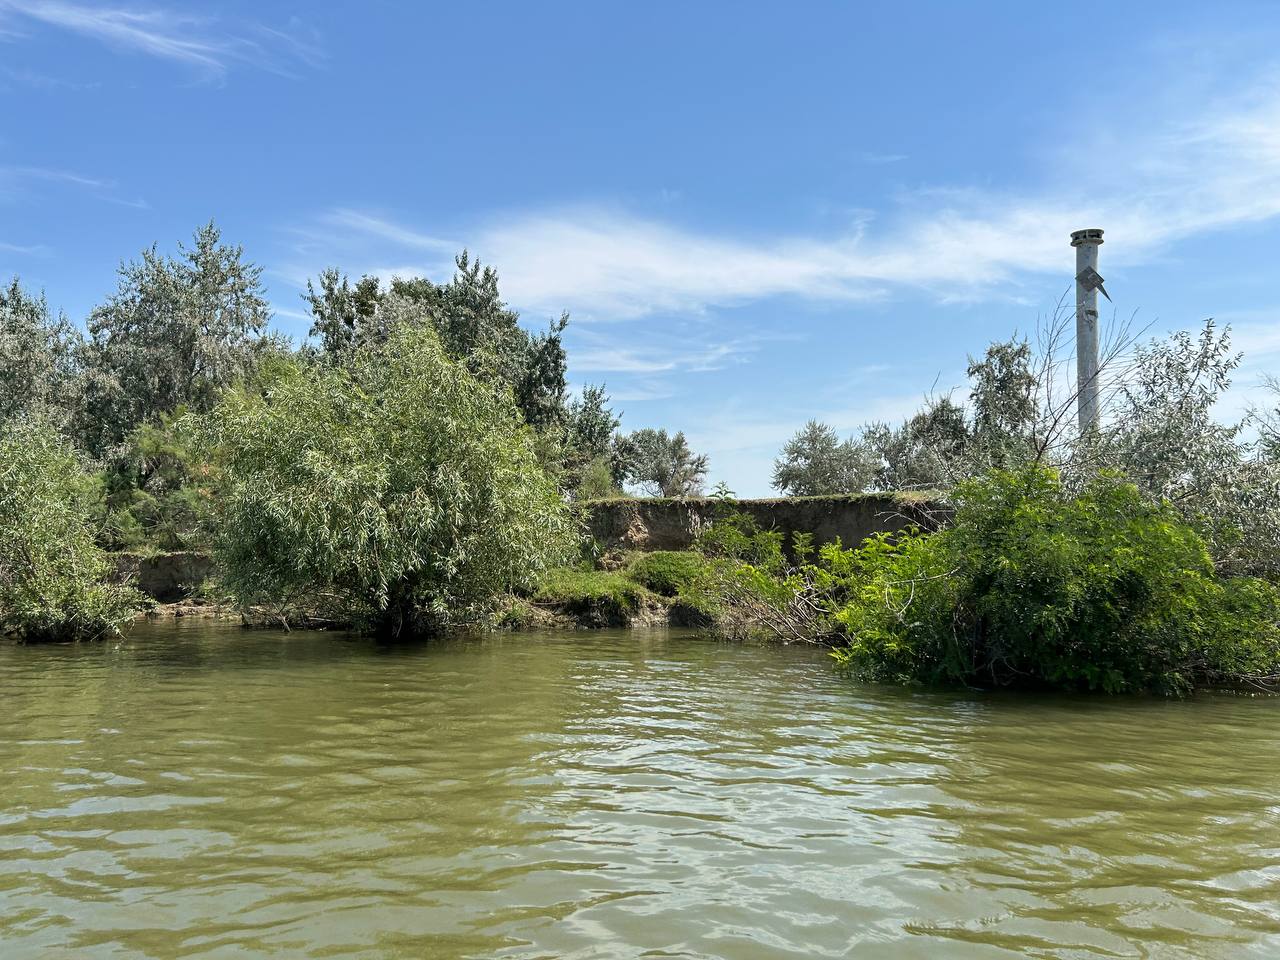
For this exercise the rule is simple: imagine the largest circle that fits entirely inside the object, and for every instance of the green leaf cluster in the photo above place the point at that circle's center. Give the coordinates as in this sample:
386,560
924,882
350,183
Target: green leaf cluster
392,490
54,579
669,573
607,597
1033,585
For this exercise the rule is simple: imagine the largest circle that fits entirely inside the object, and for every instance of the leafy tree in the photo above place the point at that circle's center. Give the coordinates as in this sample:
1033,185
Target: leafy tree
473,322
540,387
1162,434
664,466
590,424
391,490
176,333
343,315
816,462
595,481
928,450
477,327
39,371
156,491
945,443
1158,430
1033,584
595,458
54,579
1004,397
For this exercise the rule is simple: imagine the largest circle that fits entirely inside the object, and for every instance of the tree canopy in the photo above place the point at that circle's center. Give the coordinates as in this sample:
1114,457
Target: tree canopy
393,487
474,325
54,578
177,332
664,466
816,462
39,359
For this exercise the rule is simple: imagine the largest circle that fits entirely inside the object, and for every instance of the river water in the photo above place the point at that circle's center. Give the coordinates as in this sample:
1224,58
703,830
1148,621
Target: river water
200,791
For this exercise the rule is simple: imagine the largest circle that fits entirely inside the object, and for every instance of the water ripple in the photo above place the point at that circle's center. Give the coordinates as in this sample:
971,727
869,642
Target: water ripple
203,792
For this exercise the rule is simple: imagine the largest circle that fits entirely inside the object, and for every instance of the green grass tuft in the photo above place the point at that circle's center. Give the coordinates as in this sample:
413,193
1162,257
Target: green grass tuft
669,573
597,596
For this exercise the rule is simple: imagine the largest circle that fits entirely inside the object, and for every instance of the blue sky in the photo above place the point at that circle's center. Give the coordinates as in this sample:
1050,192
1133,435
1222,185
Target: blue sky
755,213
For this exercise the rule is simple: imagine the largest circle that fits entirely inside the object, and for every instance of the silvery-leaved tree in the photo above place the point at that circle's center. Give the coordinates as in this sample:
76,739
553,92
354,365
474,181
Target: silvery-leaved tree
662,465
816,462
1160,432
177,331
39,372
927,451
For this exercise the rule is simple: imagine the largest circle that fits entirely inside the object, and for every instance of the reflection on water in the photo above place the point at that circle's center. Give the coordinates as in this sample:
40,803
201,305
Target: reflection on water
196,791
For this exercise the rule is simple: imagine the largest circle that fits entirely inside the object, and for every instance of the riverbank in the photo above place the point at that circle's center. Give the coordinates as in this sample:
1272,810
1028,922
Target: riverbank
570,600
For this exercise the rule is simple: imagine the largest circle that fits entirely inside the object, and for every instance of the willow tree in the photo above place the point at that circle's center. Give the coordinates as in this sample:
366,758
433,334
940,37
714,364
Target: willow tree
392,491
55,582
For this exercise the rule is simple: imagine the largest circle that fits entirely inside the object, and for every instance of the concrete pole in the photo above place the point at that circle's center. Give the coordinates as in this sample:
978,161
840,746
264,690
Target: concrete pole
1086,243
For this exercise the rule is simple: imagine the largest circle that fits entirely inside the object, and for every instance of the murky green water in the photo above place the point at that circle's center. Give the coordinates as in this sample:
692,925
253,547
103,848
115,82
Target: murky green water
203,792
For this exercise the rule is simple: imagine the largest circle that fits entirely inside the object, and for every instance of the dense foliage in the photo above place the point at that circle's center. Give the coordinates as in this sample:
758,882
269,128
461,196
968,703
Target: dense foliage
816,462
39,374
393,487
471,320
54,579
668,573
664,466
181,329
597,460
1032,584
157,494
593,597
177,332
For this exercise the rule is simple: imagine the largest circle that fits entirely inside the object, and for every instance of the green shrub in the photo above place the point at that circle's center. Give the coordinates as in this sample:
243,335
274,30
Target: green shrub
155,496
596,596
53,577
1032,585
597,481
667,572
737,536
394,490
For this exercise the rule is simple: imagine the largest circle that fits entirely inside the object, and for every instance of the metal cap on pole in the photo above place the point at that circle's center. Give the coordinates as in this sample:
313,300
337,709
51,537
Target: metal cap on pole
1088,283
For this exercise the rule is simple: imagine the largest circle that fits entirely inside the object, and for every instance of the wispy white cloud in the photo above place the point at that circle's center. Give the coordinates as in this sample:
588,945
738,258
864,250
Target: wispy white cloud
54,175
361,242
15,184
35,249
176,35
292,314
379,228
1149,189
593,352
879,159
642,391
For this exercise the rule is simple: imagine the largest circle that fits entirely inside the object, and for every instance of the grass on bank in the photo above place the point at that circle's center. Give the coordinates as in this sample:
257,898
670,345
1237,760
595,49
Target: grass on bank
656,582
